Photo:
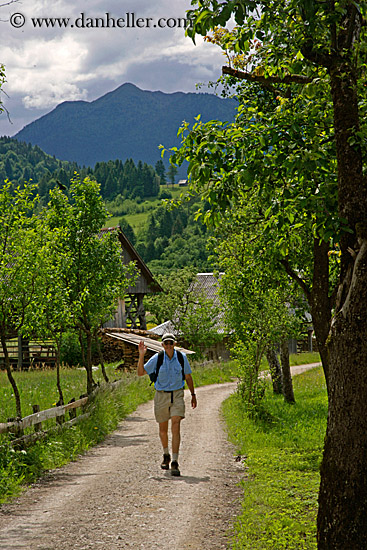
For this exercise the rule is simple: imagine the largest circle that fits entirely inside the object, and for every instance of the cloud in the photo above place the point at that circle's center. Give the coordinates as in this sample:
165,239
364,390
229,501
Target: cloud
45,66
43,72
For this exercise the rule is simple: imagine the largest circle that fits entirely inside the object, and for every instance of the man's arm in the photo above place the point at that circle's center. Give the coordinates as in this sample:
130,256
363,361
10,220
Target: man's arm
142,351
190,384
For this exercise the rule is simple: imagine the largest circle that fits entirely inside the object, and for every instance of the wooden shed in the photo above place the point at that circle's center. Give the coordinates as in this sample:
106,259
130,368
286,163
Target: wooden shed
130,312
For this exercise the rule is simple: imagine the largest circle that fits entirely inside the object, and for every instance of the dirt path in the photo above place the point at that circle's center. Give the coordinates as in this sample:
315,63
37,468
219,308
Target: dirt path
116,496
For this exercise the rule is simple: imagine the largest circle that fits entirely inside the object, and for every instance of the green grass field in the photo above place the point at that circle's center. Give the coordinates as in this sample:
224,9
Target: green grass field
137,221
282,450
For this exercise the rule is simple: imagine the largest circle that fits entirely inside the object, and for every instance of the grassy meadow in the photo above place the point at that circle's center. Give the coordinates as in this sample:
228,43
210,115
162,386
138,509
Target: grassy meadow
138,219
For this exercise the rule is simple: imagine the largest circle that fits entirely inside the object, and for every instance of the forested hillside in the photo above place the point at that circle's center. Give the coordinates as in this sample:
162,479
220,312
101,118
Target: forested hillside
22,162
166,239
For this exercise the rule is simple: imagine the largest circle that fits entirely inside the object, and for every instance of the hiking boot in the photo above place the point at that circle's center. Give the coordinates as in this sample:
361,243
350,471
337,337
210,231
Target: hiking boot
174,468
166,461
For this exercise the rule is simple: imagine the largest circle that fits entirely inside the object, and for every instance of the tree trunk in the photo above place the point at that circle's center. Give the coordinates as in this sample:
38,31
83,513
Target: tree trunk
82,346
286,370
101,360
58,380
88,366
11,379
275,370
342,516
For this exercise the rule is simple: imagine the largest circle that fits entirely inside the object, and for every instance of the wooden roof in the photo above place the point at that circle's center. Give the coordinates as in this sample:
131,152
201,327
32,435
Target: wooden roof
135,339
145,284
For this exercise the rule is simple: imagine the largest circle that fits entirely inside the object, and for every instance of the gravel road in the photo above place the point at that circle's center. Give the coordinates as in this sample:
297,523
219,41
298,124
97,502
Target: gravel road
116,496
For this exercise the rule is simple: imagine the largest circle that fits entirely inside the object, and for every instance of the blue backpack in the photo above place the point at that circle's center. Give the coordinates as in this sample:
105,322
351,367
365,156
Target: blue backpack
154,375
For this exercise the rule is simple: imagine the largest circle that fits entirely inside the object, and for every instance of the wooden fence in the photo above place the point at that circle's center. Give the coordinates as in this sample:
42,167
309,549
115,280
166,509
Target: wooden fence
25,354
18,426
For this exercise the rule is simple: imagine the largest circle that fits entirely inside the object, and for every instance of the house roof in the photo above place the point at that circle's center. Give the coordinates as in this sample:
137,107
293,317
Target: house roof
207,284
146,282
164,327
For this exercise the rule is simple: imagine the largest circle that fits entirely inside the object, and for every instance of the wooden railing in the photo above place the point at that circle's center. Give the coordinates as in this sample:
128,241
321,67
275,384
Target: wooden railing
18,426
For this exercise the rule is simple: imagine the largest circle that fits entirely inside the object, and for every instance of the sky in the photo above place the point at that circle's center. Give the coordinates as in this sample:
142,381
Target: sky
142,42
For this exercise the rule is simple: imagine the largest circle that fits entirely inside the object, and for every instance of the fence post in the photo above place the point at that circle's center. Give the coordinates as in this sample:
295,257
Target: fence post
60,419
72,412
16,430
38,426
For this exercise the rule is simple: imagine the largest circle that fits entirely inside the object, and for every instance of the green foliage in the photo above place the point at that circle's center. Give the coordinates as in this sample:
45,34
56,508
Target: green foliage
85,264
127,230
70,351
194,316
281,149
171,239
161,171
261,305
20,265
282,450
131,193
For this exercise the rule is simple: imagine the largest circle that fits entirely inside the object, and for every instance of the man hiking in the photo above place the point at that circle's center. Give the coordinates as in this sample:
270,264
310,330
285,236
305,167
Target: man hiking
173,371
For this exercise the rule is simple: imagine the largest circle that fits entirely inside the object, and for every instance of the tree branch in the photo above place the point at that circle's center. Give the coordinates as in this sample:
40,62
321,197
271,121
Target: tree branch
8,3
317,57
293,275
267,81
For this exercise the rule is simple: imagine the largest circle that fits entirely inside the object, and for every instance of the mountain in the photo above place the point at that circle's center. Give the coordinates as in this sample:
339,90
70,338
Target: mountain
125,123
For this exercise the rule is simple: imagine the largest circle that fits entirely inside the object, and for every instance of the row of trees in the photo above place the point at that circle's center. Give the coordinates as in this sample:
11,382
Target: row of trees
171,239
20,162
58,272
288,177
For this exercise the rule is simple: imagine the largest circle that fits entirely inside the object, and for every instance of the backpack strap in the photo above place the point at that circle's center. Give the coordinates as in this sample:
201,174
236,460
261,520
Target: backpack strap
159,362
180,358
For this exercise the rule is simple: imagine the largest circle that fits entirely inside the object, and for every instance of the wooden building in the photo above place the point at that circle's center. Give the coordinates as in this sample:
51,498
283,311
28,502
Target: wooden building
130,312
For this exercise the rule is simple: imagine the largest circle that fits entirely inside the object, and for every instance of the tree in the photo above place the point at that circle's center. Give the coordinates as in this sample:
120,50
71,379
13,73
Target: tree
192,314
258,310
161,171
19,266
88,263
51,314
172,173
310,58
127,230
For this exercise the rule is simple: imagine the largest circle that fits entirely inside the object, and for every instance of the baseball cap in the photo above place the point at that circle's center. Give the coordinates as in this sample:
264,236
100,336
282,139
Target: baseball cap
168,336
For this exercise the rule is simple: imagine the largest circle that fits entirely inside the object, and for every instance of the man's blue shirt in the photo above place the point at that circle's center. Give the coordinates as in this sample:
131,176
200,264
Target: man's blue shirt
170,372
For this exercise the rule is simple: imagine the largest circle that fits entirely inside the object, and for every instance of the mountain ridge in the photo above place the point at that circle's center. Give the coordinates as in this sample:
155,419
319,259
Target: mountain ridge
127,122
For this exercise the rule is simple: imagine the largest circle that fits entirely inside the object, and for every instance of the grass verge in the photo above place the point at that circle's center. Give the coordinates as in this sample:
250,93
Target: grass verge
282,449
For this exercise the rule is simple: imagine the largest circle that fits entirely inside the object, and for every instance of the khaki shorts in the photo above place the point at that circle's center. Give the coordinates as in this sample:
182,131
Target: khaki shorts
168,404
